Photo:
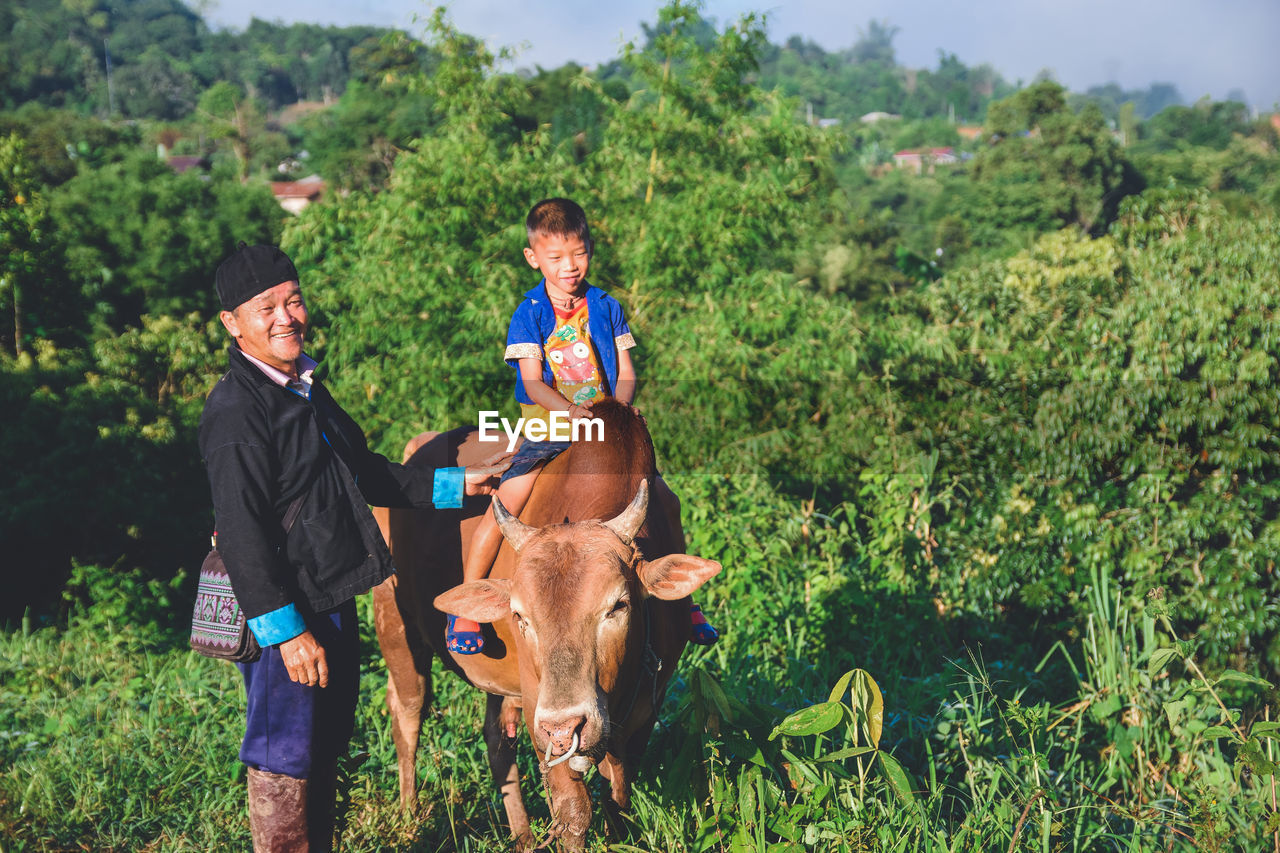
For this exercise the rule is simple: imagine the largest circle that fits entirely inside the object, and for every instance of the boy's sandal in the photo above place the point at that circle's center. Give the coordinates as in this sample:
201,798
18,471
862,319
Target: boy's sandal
703,633
462,642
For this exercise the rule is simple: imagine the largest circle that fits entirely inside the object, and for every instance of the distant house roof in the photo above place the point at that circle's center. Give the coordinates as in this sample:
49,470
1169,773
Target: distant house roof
935,153
182,163
872,118
918,158
295,195
296,189
969,131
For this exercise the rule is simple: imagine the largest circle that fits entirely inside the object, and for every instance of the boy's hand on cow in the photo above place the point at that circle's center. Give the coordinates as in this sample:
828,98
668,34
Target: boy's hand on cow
305,661
482,479
579,411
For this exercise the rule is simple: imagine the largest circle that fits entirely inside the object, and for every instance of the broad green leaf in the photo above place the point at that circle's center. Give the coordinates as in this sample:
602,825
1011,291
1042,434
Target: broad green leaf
837,692
900,782
1160,658
813,720
1105,707
1242,677
1265,728
868,705
784,824
1175,708
850,752
1217,732
1251,756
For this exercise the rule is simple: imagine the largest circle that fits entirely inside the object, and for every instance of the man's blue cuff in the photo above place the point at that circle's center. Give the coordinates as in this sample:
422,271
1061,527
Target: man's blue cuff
277,626
448,487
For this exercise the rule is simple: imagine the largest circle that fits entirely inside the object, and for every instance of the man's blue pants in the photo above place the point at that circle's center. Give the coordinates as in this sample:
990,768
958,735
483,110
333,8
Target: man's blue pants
289,726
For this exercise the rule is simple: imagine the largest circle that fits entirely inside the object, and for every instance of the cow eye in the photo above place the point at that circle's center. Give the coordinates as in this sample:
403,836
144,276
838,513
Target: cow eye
619,607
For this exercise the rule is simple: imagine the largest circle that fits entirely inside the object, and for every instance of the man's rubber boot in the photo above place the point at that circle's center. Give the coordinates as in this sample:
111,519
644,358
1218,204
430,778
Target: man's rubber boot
277,813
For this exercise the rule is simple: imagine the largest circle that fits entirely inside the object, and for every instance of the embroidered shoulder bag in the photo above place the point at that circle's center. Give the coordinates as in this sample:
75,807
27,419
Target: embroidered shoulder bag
218,626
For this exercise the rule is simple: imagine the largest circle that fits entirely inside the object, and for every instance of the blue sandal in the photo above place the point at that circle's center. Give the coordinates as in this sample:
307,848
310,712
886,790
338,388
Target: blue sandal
462,642
703,633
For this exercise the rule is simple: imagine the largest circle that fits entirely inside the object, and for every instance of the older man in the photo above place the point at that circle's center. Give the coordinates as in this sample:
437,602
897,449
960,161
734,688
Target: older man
275,444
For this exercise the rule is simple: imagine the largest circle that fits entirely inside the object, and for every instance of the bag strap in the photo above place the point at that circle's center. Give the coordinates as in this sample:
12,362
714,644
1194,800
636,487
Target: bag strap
291,514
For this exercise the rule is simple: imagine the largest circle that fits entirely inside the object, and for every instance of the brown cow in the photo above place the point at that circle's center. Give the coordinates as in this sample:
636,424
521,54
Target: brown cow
588,618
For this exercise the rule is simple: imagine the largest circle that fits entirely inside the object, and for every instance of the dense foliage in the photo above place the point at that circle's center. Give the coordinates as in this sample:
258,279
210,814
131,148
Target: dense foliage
998,438
154,58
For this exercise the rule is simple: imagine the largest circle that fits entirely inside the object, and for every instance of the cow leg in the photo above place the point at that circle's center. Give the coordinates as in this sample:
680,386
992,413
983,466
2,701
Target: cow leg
501,723
408,690
619,804
570,806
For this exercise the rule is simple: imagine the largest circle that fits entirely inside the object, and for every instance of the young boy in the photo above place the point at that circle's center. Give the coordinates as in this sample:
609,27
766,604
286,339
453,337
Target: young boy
570,343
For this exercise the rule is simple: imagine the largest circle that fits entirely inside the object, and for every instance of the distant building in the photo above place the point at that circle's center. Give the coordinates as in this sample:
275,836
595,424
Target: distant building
184,163
872,118
924,159
294,196
969,131
181,163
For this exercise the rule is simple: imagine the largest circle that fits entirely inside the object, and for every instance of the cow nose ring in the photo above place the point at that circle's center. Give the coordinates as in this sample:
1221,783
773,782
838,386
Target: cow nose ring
572,749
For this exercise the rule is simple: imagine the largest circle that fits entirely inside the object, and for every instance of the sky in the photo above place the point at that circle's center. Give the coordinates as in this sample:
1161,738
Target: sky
1204,47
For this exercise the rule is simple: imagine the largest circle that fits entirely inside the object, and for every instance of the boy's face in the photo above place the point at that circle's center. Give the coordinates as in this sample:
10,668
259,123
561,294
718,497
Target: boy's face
562,260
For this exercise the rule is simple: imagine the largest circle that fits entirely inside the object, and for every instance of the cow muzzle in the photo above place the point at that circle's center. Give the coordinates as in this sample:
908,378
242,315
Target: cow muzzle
563,736
570,736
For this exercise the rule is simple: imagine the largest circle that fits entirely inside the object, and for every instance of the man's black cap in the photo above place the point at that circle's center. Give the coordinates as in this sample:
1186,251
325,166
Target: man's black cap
251,270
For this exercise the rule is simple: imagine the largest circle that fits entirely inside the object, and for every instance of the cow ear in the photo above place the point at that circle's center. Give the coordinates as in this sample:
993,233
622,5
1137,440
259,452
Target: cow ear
676,575
483,601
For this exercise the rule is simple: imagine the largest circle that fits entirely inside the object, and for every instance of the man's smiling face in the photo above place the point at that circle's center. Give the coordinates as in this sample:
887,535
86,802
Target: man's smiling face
271,326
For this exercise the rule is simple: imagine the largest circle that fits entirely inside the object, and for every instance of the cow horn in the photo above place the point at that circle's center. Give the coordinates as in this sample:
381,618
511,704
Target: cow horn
513,529
629,522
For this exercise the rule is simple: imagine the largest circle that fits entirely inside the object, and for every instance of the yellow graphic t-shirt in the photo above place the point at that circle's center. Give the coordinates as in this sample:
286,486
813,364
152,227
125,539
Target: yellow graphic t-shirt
573,364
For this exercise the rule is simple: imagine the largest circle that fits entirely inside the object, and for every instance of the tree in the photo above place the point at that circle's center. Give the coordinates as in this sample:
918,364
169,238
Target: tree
875,43
28,256
1207,124
57,142
142,240
1049,167
354,142
234,117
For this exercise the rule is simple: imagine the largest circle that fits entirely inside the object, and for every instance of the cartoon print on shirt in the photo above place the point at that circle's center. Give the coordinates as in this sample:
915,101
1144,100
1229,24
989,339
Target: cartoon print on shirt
573,364
585,394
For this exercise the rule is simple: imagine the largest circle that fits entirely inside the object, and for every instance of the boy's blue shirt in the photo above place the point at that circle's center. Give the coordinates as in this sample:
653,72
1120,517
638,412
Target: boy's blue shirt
535,319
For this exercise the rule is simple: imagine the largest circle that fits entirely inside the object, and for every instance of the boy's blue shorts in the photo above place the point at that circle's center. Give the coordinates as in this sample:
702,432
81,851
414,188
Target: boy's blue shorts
531,454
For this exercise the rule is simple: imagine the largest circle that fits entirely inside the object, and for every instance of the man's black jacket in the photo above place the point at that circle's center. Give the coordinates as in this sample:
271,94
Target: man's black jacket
263,446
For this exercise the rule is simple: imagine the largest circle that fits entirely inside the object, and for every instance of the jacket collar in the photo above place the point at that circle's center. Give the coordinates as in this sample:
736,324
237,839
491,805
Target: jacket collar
538,295
242,364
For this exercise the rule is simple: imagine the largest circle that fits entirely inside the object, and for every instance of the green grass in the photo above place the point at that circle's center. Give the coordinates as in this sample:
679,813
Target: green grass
113,736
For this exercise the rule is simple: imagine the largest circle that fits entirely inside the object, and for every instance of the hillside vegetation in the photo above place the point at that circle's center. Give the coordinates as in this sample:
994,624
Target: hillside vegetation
989,453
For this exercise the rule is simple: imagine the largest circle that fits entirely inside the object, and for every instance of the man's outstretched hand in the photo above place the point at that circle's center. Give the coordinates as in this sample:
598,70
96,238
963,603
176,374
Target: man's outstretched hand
482,478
